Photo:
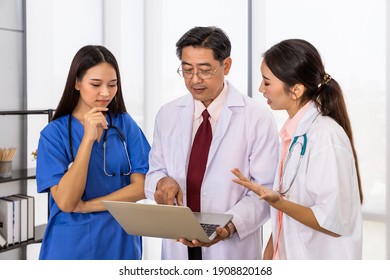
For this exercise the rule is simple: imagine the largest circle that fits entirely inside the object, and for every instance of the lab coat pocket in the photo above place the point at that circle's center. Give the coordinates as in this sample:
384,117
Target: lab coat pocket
71,242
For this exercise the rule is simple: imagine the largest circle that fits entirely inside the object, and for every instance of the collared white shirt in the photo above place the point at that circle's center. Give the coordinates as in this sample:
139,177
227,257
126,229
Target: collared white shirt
214,110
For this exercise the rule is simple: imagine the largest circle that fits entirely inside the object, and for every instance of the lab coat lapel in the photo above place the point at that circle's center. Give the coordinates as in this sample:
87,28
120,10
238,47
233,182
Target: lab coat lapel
219,133
186,111
307,120
235,99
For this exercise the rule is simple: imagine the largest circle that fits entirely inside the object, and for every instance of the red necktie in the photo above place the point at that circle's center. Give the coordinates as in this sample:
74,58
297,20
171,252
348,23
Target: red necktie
196,168
198,160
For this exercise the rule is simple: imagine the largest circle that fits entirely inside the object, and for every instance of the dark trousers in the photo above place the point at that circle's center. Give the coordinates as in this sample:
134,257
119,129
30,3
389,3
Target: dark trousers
194,253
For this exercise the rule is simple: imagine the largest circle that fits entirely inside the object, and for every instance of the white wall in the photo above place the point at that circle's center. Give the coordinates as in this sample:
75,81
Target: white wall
123,34
349,34
386,127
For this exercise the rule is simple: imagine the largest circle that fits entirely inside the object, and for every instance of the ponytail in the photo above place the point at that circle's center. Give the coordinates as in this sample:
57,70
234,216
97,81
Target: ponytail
330,101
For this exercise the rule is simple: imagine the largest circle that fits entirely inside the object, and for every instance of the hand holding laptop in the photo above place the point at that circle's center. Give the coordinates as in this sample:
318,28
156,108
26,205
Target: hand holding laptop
222,234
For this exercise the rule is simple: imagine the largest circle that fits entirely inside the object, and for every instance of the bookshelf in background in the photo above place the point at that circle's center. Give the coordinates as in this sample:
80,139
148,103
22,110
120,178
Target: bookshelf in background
25,174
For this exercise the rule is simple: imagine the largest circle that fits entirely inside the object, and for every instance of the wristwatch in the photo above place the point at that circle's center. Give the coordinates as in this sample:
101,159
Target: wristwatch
230,227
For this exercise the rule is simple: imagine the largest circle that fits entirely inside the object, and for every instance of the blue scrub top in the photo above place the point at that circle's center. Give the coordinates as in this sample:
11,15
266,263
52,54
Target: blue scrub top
94,235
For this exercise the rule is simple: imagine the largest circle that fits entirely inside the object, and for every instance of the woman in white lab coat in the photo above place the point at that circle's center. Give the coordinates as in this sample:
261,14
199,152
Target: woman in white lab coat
317,196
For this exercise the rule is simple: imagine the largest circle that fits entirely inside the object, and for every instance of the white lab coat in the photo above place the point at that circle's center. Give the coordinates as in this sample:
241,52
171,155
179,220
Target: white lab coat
327,183
245,137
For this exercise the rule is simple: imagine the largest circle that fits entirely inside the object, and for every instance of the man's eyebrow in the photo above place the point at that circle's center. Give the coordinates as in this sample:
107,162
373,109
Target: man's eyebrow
199,64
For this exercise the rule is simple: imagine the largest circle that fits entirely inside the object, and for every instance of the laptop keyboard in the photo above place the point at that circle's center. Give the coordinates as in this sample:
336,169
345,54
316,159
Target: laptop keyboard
209,228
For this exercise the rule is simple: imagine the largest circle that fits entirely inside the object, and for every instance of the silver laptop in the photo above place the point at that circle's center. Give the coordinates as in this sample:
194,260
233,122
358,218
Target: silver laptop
166,221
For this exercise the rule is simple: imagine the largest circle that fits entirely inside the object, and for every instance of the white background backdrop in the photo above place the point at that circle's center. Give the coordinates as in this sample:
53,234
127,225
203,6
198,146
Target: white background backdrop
350,35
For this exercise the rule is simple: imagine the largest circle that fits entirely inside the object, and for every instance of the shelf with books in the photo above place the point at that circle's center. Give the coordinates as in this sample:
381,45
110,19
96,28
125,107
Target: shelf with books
23,174
39,231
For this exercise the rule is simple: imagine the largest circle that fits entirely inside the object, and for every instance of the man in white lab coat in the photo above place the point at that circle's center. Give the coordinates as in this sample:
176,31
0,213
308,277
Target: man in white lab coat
244,136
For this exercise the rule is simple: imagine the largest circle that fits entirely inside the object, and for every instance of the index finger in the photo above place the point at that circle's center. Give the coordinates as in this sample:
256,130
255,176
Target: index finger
242,180
247,184
98,109
179,198
238,174
170,198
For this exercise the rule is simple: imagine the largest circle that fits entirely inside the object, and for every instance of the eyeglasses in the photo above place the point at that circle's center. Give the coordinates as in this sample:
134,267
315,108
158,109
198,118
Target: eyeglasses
104,151
202,74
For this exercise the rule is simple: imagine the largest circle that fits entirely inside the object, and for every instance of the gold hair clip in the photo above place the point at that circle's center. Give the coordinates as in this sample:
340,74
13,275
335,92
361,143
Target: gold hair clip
325,79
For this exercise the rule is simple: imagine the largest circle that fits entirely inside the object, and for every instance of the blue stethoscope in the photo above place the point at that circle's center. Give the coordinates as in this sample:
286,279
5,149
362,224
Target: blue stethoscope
110,126
302,144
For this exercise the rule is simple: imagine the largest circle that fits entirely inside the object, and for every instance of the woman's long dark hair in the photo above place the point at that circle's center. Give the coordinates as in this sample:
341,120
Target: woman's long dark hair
86,58
296,61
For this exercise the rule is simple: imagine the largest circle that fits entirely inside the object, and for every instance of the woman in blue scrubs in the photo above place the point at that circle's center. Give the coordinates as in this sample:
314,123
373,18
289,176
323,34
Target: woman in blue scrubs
91,151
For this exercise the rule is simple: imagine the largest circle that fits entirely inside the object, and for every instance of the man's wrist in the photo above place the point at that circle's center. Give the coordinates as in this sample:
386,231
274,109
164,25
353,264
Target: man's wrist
231,229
